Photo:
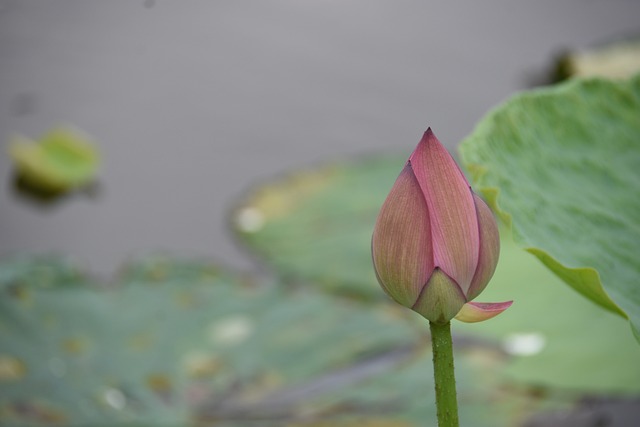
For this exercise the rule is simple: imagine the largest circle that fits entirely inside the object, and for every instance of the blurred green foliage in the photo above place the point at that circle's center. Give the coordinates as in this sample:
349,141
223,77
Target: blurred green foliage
62,159
186,343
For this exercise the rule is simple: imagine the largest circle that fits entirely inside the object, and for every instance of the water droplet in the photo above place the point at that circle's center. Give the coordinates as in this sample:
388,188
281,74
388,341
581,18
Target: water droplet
115,398
250,220
524,344
231,331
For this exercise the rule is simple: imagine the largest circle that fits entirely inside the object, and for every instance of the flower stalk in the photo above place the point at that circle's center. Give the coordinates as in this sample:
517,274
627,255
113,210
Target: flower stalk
444,376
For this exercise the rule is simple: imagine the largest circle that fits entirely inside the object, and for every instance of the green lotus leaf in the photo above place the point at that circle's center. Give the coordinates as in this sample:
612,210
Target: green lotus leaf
561,165
316,225
177,343
62,160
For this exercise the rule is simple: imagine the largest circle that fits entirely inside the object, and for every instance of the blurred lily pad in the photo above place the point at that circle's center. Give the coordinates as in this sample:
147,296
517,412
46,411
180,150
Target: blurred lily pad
63,159
617,59
181,343
316,227
562,167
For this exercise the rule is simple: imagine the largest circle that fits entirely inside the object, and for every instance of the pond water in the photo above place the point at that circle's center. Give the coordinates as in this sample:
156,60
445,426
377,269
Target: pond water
193,102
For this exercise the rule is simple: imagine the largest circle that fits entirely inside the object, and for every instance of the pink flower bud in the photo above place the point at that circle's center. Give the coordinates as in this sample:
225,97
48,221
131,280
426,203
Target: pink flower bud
436,244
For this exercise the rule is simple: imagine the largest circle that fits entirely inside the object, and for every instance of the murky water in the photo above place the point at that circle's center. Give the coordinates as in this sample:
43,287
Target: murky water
192,102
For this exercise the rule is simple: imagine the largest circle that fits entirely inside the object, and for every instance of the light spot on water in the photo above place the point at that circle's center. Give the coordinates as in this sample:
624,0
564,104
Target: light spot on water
250,220
231,331
115,398
524,344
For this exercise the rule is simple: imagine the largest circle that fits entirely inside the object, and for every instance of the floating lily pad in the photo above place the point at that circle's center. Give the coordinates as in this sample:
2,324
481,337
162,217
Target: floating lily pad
562,167
316,225
62,160
179,344
316,228
618,59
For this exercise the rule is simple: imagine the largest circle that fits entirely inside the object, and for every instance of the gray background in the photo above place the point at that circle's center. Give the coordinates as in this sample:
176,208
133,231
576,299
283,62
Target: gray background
192,102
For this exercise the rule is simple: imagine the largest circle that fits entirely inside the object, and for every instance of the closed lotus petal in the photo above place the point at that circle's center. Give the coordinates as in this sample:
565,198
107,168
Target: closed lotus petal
401,244
441,298
489,249
452,211
473,312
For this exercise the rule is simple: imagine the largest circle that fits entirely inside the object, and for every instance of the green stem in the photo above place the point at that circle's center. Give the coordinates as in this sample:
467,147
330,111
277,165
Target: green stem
444,376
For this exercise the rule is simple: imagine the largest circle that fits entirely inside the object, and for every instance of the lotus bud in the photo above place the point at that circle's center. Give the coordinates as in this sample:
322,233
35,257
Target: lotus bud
435,244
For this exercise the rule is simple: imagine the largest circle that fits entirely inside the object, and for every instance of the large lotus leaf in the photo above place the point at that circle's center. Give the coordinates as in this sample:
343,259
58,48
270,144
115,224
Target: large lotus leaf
562,166
316,227
188,344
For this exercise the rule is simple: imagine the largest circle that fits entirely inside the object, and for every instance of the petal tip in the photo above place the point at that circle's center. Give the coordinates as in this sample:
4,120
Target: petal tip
473,312
428,138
